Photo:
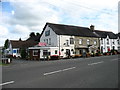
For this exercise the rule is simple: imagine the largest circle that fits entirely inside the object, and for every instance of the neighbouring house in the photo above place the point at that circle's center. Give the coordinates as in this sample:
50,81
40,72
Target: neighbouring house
108,40
15,46
118,41
66,38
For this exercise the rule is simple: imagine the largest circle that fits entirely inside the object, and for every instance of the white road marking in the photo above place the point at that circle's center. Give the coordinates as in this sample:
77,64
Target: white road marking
58,71
95,63
7,83
114,59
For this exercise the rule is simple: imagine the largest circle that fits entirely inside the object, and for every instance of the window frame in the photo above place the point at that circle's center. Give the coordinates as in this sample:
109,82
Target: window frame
34,52
80,41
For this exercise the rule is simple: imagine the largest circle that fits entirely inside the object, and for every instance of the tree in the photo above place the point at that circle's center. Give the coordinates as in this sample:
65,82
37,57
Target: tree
20,39
37,34
23,53
6,45
32,34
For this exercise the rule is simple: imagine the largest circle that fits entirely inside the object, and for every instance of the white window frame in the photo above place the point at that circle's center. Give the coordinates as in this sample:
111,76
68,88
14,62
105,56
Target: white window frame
80,41
88,42
95,42
35,51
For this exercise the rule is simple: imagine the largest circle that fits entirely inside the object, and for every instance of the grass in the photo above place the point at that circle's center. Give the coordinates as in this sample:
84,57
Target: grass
2,64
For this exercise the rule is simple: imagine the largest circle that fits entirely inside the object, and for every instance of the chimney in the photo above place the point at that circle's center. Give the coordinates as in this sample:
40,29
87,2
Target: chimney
92,27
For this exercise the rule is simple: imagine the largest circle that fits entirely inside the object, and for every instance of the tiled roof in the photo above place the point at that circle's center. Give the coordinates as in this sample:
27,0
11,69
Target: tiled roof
61,29
22,44
104,34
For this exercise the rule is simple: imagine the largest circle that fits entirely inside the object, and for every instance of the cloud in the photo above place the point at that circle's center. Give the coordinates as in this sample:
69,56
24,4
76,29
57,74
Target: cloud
31,15
3,31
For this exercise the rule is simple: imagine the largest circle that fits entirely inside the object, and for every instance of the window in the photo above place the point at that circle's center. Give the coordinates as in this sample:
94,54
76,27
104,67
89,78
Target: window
101,40
35,52
67,43
49,41
14,51
44,40
113,41
107,41
80,41
88,42
47,33
71,41
113,47
62,49
55,51
95,42
45,53
118,42
17,50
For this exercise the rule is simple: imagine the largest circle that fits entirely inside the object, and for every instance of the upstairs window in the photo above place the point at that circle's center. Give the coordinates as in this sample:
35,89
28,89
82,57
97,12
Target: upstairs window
47,33
107,41
101,40
118,42
80,41
88,42
95,42
113,41
67,43
71,41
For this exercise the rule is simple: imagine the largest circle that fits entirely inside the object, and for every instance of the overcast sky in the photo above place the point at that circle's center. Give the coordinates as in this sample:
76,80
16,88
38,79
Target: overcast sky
20,17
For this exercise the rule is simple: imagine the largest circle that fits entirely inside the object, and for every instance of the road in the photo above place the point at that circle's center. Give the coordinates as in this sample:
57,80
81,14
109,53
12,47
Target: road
94,72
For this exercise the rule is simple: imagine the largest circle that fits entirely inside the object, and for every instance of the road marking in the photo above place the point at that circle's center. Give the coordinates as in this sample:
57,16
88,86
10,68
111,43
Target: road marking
58,71
114,59
7,83
95,63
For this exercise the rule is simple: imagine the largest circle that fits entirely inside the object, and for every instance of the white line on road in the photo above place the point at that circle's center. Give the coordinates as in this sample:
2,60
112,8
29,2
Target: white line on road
114,59
58,71
95,63
7,83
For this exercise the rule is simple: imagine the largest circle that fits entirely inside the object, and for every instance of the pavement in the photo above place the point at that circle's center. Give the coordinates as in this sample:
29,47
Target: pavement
93,72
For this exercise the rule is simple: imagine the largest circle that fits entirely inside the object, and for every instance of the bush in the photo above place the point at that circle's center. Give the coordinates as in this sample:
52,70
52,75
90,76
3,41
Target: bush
23,53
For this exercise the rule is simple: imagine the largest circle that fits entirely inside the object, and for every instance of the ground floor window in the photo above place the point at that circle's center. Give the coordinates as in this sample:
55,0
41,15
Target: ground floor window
35,52
55,51
45,53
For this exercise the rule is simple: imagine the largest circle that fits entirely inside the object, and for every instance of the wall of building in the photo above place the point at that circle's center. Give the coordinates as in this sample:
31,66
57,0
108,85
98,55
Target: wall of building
51,39
105,45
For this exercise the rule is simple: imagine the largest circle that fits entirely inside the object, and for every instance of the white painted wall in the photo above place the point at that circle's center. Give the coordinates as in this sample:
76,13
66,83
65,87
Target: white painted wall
56,39
63,39
52,35
105,45
17,54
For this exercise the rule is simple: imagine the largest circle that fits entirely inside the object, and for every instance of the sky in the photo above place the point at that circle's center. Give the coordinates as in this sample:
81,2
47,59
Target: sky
18,18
